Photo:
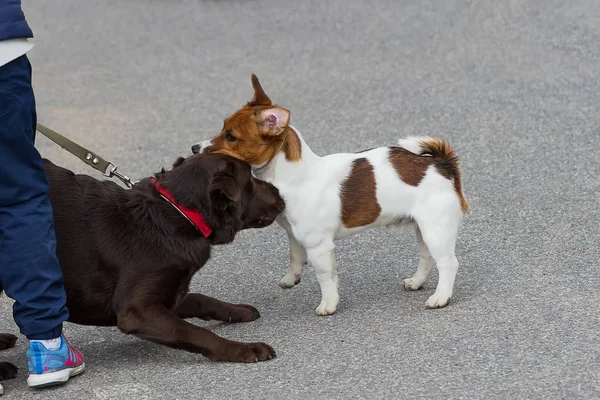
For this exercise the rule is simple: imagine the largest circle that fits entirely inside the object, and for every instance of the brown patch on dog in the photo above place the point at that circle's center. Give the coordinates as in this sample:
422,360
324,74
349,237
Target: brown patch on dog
249,144
359,196
257,131
292,146
410,167
446,163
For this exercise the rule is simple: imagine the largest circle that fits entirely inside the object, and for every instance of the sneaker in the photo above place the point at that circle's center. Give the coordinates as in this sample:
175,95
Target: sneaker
53,367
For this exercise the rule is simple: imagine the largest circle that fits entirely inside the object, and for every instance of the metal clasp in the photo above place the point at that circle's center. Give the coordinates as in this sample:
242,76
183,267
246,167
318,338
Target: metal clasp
112,171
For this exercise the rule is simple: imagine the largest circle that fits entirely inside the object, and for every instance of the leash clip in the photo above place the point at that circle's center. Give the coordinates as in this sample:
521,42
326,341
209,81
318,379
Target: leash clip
112,171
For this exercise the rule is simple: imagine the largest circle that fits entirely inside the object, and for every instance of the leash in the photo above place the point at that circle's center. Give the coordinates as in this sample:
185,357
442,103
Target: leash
108,168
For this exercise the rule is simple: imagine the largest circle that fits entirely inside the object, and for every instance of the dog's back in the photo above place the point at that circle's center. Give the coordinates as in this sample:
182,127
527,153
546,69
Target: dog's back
84,224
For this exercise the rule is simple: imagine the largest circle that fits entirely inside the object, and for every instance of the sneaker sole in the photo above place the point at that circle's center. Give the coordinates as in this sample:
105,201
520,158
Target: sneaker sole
54,378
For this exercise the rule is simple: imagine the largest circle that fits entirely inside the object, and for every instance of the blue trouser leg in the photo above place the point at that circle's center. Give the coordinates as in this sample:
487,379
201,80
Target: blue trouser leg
29,269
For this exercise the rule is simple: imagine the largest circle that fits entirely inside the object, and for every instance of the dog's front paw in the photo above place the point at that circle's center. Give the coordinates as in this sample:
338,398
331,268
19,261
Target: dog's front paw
324,310
245,353
327,307
437,300
412,284
243,313
7,371
290,280
7,341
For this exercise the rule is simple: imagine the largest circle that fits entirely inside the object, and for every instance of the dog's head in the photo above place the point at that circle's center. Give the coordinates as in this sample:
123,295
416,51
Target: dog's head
253,134
223,189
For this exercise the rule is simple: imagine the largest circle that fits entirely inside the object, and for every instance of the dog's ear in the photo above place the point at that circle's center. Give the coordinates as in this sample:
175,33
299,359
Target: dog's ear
273,121
178,162
189,182
260,97
224,190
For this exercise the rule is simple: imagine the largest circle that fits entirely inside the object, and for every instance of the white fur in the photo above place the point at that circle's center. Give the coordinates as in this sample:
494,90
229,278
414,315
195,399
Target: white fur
312,217
412,143
204,144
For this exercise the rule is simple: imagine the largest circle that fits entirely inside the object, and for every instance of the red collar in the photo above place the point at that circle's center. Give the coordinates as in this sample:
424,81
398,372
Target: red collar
194,216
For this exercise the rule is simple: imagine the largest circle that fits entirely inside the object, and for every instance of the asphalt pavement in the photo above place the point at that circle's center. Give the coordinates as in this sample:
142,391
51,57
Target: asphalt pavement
513,85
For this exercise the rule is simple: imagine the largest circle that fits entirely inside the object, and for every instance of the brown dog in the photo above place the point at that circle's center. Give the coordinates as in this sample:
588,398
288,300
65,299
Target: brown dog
128,256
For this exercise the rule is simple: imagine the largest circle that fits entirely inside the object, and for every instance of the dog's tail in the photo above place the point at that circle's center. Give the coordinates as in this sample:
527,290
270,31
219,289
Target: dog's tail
448,160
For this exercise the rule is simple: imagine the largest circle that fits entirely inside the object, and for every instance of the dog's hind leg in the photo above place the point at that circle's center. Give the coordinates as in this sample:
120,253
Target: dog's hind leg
425,265
196,305
159,325
439,227
298,260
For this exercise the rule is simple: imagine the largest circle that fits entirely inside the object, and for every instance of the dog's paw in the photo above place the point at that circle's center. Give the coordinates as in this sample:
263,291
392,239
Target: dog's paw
437,301
243,313
290,280
7,371
324,310
246,353
327,308
7,341
412,284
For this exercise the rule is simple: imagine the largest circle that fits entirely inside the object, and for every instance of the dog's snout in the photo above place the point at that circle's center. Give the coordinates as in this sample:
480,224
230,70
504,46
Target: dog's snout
204,146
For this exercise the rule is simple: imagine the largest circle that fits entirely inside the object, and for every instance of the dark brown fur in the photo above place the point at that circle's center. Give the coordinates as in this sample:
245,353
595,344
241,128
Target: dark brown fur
128,256
359,196
7,341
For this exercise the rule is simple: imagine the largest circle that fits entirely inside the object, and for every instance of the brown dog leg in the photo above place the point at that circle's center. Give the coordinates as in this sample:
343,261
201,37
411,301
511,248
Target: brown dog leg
196,305
7,341
159,325
7,371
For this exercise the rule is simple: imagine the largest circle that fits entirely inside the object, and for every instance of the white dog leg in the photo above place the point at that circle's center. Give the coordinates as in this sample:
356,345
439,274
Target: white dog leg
297,261
323,260
425,265
440,239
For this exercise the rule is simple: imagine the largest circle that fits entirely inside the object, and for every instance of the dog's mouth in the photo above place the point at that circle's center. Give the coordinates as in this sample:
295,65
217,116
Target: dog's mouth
262,222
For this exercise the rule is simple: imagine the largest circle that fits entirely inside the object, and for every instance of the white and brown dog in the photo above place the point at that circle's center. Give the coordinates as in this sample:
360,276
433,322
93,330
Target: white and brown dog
417,183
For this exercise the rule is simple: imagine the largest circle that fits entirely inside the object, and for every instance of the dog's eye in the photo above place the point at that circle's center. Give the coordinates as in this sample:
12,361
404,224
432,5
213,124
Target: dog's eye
229,136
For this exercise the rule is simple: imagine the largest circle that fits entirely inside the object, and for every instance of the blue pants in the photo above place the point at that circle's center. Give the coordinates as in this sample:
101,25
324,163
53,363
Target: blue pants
29,269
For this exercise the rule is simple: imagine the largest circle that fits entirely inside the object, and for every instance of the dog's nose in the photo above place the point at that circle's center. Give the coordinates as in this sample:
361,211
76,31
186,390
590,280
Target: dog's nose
204,146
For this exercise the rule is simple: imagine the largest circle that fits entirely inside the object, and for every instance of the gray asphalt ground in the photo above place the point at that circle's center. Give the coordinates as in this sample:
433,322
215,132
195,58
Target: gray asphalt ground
514,86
